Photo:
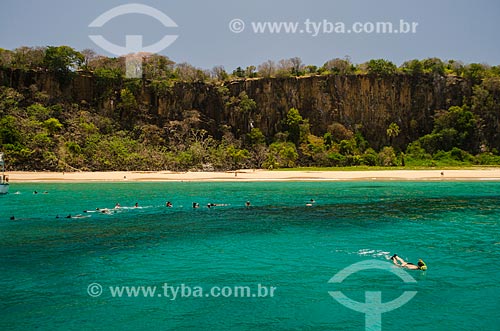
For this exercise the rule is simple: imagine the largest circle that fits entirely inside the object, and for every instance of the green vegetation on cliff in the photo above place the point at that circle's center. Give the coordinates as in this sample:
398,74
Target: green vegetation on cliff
61,109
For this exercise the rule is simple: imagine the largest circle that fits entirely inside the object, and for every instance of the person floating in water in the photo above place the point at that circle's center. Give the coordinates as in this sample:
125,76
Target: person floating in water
136,205
408,265
168,204
210,205
247,204
196,205
117,205
310,203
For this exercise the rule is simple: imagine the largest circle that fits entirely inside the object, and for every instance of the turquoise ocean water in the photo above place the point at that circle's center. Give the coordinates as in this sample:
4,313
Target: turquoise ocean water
47,263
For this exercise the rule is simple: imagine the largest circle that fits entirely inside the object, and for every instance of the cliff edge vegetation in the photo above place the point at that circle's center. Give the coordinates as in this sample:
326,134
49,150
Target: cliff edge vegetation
65,110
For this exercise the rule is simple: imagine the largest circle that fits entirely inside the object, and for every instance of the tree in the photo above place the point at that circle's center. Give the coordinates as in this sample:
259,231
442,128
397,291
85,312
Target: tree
297,66
106,63
433,65
381,67
455,127
297,127
156,66
256,137
62,59
88,56
242,104
339,66
188,73
267,69
339,132
9,134
311,69
291,67
392,132
413,67
28,57
237,156
486,105
52,125
127,107
219,73
455,67
281,155
387,157
476,72
239,72
6,58
250,72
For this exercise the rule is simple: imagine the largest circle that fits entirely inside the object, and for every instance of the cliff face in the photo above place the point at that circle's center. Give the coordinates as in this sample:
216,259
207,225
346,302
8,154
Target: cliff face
365,103
78,88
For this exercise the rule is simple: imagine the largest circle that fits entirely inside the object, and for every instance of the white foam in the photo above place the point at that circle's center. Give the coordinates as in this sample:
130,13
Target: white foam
373,253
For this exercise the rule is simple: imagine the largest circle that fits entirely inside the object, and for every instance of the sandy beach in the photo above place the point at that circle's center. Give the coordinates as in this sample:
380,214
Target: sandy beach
259,175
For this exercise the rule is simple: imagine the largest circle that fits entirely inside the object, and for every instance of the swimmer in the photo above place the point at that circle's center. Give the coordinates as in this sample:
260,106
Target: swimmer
247,204
168,204
196,205
310,203
12,218
136,205
420,265
216,205
117,205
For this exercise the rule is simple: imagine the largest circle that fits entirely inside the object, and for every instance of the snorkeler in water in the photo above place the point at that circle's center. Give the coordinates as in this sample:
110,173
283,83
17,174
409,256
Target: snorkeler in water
408,265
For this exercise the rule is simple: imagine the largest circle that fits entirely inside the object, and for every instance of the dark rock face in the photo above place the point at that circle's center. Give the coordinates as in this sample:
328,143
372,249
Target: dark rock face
366,103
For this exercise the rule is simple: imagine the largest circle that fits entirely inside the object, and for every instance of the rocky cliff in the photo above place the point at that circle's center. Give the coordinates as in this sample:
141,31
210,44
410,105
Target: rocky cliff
365,103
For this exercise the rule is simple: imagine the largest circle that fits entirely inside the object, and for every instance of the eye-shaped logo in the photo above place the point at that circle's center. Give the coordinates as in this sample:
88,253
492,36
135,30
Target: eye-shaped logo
373,307
133,43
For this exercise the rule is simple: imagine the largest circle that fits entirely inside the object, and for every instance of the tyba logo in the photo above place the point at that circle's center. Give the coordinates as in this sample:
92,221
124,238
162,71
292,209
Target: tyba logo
133,43
373,307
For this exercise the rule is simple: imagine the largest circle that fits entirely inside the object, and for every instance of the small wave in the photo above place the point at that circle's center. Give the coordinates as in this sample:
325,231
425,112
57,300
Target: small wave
373,253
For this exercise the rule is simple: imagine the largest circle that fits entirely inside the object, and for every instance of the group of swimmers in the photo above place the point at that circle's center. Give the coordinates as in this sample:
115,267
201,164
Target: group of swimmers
117,206
107,211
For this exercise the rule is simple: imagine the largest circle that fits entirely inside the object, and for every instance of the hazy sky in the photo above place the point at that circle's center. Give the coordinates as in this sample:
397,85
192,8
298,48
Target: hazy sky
449,29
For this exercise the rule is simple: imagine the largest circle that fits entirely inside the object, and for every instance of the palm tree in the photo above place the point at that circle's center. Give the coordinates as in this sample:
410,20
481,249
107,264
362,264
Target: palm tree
392,132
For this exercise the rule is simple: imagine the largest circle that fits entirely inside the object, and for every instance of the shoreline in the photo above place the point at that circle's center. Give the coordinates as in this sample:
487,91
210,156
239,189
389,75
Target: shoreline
248,175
